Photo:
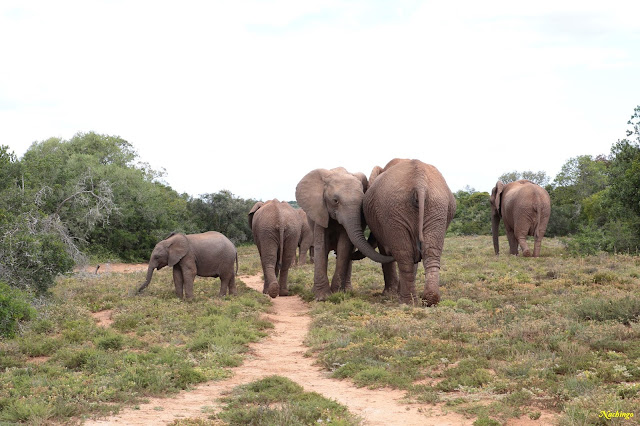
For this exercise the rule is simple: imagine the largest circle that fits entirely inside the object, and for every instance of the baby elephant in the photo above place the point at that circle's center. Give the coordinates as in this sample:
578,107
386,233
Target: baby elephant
209,254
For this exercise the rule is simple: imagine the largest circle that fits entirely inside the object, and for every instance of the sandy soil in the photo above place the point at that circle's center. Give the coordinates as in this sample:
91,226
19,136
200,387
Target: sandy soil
285,343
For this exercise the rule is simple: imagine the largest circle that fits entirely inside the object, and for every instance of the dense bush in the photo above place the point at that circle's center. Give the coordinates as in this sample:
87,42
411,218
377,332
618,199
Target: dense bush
223,212
473,213
14,308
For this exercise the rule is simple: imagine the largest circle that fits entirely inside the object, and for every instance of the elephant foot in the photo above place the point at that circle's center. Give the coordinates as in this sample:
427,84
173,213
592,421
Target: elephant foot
526,253
389,291
274,289
430,299
283,292
322,296
411,299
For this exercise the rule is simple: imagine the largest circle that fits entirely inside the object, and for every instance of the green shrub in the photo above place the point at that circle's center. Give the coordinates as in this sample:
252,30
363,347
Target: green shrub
624,310
33,253
14,308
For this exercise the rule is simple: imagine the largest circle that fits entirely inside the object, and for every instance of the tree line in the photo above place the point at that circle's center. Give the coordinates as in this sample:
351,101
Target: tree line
595,200
90,196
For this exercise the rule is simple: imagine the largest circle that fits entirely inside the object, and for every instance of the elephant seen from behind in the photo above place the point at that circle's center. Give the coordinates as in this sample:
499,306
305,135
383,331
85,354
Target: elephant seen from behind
408,208
276,231
209,254
332,200
525,208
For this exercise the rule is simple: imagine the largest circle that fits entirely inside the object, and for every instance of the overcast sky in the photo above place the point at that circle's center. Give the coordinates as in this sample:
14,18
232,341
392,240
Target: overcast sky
249,96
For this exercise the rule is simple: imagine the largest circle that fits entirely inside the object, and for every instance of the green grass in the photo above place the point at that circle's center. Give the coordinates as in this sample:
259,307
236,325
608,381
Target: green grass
278,401
63,365
511,337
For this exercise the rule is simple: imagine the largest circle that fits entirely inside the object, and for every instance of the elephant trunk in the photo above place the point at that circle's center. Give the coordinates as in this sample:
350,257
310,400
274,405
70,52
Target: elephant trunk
495,227
148,279
356,235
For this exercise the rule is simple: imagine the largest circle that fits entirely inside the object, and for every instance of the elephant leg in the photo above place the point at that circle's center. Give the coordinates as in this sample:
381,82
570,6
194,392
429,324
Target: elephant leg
228,284
178,281
311,253
346,286
407,286
342,275
513,242
270,279
321,289
522,242
189,277
390,273
431,253
268,250
283,289
537,245
431,294
289,255
233,290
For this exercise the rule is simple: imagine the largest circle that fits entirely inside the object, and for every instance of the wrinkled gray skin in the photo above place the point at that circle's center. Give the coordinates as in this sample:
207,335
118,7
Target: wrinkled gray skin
306,238
525,209
276,232
332,200
408,208
209,254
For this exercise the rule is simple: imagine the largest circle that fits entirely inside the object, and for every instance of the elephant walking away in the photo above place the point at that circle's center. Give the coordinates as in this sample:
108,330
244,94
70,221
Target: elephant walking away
408,208
209,254
332,200
306,238
525,209
276,231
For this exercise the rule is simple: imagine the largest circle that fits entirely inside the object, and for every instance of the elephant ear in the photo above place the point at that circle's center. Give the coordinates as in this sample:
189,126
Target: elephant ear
374,174
363,179
178,248
254,209
310,196
496,195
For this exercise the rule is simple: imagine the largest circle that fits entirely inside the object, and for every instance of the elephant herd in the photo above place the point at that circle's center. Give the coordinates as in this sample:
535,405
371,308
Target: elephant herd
407,206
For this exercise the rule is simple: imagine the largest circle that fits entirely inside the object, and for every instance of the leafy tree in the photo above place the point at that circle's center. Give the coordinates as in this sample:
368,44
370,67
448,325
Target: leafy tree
225,213
624,171
539,178
597,200
578,181
103,195
473,213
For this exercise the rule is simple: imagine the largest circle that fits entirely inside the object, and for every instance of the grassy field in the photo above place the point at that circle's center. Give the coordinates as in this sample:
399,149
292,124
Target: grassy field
512,336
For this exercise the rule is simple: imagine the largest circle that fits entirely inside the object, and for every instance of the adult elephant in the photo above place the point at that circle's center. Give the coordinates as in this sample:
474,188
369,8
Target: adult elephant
408,208
305,245
525,209
276,232
332,200
209,254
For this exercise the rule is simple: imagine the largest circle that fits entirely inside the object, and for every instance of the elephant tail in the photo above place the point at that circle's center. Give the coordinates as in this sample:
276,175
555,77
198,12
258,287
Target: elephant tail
281,243
420,197
539,212
236,263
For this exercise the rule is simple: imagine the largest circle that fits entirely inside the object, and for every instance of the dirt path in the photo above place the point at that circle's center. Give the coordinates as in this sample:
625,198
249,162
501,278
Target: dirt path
285,343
